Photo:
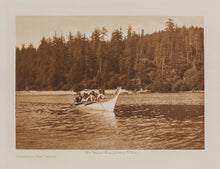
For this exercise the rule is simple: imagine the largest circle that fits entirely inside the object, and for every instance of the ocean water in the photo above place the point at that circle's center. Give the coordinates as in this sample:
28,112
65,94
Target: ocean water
139,121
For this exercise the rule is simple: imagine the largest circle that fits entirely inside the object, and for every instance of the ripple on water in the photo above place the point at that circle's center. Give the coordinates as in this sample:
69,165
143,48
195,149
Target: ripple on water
140,126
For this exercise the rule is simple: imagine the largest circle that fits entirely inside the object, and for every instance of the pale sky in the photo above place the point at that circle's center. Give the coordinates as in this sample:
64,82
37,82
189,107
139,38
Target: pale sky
31,29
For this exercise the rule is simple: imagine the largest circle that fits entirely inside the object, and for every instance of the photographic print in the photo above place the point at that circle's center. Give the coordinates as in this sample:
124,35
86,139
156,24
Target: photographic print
110,82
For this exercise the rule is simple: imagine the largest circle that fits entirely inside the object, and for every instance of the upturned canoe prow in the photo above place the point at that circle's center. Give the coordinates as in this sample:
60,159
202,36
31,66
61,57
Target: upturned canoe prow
106,105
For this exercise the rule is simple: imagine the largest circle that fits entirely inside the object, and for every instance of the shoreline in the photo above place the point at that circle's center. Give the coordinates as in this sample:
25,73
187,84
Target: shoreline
108,92
181,98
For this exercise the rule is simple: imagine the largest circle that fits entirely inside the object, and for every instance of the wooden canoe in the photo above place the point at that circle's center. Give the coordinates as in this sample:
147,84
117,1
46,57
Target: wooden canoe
105,105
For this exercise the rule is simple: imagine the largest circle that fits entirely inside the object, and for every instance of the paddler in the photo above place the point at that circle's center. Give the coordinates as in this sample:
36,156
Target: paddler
92,97
100,95
78,98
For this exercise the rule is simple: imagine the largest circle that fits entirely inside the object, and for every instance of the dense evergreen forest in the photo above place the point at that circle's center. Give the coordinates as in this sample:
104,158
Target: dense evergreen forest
166,61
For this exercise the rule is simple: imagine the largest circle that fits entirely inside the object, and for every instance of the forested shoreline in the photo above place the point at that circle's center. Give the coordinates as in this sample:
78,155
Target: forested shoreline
170,60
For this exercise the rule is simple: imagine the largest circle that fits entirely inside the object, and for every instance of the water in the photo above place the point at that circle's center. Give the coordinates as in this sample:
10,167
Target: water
51,122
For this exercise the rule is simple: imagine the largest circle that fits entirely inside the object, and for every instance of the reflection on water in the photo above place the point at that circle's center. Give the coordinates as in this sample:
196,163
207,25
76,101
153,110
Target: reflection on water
42,124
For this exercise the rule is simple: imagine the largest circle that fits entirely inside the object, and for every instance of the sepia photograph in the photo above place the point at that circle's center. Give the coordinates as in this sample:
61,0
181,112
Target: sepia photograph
109,83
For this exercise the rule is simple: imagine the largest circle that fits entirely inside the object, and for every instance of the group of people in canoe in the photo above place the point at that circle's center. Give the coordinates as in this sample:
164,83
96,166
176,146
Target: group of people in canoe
89,97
